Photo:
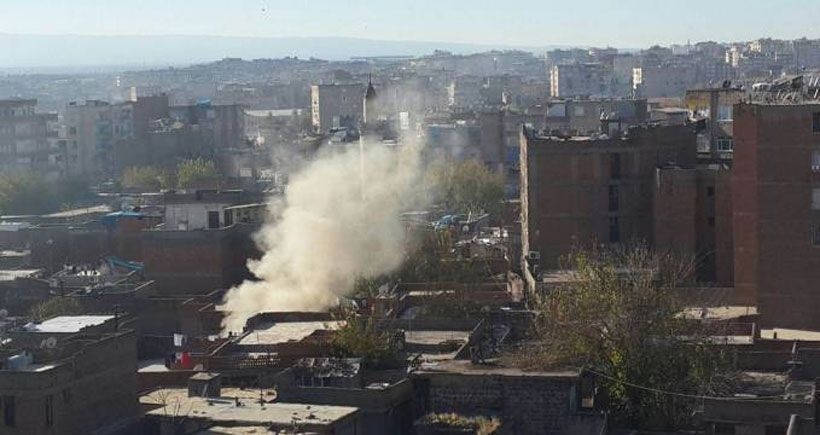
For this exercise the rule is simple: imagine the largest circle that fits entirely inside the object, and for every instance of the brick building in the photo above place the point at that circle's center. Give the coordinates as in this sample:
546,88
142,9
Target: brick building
199,261
776,200
584,190
692,216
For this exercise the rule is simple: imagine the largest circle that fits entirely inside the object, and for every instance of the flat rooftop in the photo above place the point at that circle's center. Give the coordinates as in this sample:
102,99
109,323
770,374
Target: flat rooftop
77,212
242,430
789,334
435,337
719,313
152,366
12,274
283,332
68,324
224,410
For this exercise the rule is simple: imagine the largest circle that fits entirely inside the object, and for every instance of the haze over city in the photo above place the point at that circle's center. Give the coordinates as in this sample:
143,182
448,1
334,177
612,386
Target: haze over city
415,218
458,25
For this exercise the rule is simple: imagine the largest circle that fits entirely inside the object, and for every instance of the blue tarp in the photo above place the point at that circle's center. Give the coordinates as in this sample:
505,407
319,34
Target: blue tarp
110,220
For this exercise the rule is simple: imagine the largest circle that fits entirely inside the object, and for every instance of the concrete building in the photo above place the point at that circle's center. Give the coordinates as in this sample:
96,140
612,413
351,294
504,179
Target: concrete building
334,106
581,190
465,92
224,123
93,129
807,53
714,106
573,55
24,137
70,375
201,209
181,411
96,129
581,79
582,116
452,142
776,200
663,81
384,397
528,402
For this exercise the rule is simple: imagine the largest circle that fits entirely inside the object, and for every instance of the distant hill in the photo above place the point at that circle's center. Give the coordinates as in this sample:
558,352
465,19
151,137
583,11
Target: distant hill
54,52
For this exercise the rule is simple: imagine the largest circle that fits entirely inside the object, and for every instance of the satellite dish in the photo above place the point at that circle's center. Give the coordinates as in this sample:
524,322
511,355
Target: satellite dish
49,343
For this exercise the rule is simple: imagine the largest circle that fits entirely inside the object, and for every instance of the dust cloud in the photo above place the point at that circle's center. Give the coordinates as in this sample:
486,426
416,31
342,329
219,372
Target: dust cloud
339,220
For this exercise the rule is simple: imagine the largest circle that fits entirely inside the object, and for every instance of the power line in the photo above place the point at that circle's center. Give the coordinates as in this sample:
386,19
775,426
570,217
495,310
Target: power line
684,395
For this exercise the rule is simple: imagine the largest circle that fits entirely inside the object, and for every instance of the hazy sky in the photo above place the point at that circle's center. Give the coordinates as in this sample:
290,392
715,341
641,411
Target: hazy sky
623,23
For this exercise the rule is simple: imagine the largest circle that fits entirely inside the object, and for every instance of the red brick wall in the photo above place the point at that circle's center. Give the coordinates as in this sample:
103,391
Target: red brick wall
565,188
724,237
775,261
674,205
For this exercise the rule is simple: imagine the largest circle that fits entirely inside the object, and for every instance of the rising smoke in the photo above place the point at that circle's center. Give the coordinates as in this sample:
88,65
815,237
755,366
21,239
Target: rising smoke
339,220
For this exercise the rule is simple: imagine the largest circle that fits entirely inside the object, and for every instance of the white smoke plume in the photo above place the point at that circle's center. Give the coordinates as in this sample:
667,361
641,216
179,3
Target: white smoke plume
339,220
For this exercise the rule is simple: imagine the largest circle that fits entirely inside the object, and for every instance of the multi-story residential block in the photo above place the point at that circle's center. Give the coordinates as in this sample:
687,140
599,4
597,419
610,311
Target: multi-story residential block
580,190
581,79
25,137
776,207
334,106
666,81
714,106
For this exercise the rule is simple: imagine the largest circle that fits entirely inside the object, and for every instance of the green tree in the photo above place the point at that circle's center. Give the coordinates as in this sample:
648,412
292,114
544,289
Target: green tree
619,318
360,338
72,189
467,187
145,178
54,307
26,194
197,173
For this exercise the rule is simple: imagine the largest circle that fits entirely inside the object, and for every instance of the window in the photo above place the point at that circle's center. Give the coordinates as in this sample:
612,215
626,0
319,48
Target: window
815,161
614,200
228,218
815,235
815,199
213,219
67,396
815,122
9,411
49,410
725,144
710,191
614,230
724,113
615,166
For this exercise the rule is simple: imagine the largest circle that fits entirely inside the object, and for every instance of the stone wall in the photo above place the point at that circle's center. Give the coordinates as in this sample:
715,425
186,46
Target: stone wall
527,404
